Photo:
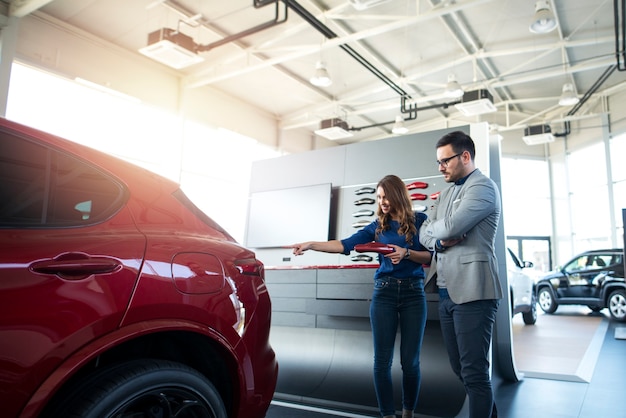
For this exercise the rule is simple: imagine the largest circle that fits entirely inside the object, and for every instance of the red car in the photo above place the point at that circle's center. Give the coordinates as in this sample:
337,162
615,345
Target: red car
118,297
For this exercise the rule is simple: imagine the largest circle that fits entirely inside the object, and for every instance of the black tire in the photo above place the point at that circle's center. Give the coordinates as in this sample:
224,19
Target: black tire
530,317
617,305
147,388
546,300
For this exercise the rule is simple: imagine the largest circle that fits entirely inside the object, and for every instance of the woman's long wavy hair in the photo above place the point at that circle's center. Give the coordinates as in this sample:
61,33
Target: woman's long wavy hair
398,196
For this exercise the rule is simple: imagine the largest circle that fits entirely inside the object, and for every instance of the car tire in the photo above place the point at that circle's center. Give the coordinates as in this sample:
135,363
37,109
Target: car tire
530,317
147,388
546,300
617,305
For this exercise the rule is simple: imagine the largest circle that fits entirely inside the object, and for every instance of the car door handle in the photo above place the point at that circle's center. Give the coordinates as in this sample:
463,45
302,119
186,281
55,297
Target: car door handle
418,196
362,257
361,223
76,266
364,201
417,185
364,190
376,247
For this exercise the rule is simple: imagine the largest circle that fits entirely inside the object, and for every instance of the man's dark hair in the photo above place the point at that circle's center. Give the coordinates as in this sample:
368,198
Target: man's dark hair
460,142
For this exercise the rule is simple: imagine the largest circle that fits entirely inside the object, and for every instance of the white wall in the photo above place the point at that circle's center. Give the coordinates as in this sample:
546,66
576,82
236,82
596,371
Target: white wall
57,47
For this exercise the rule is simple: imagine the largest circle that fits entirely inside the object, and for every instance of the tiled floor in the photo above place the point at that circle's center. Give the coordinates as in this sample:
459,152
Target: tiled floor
562,346
584,378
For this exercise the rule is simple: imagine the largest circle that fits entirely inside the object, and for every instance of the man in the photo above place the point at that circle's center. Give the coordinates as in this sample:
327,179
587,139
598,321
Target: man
461,229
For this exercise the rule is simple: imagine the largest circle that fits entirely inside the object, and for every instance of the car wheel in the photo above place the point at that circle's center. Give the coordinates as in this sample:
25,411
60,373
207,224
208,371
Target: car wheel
530,317
617,305
147,388
546,301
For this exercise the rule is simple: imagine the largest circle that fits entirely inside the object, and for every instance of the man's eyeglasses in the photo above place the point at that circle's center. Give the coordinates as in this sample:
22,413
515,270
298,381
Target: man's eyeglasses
445,161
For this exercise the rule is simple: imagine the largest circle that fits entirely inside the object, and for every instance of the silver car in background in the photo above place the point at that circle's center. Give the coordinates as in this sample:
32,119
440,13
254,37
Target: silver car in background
522,288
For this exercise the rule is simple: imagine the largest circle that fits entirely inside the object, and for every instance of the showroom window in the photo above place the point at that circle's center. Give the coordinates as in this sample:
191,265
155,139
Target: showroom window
212,165
618,171
589,198
526,210
526,197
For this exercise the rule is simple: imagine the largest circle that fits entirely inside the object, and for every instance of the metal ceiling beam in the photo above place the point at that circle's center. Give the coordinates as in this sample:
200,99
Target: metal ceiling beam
602,63
557,72
21,8
205,77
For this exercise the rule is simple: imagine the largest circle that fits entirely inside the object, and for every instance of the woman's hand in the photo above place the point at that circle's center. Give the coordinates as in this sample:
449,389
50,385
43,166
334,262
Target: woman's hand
299,249
398,254
332,246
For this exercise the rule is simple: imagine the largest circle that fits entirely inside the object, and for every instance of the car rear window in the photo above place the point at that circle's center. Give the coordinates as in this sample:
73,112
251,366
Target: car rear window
203,217
44,187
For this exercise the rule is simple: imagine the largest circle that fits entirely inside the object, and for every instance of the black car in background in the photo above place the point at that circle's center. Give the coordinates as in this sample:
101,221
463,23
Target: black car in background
593,278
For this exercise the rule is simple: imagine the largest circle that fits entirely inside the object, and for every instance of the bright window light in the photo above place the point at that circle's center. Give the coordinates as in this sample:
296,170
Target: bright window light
211,164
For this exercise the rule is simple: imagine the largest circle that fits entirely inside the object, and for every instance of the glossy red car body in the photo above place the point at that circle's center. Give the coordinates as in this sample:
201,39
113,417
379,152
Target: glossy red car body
114,265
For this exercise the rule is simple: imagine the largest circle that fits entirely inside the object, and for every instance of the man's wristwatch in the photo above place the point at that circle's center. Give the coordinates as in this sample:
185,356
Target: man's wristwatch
407,254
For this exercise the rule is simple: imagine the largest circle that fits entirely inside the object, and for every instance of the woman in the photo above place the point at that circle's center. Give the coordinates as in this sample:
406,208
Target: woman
398,298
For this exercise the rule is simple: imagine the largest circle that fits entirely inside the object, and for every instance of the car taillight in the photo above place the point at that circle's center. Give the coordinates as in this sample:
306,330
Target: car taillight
249,266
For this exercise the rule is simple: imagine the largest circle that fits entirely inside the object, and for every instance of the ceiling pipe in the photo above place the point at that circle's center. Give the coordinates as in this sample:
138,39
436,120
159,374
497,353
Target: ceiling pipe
607,73
374,125
411,110
620,32
329,34
277,20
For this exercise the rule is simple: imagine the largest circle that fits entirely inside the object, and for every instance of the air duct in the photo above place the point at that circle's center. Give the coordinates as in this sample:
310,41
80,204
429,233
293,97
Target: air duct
177,50
476,102
172,48
334,129
538,134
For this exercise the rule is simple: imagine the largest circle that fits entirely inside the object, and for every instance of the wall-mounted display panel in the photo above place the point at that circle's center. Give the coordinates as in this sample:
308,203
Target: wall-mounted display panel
283,217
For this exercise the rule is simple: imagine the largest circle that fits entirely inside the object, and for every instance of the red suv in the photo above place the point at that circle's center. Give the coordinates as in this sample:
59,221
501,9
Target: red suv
118,297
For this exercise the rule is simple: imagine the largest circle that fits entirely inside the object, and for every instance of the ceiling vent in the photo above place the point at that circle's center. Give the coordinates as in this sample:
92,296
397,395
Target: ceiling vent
538,134
476,102
171,48
366,4
334,129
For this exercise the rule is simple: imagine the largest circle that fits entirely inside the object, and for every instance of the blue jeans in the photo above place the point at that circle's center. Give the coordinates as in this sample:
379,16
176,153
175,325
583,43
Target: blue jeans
397,302
466,330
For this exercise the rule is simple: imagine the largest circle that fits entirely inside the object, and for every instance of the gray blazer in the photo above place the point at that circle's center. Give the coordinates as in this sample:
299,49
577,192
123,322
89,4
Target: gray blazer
470,268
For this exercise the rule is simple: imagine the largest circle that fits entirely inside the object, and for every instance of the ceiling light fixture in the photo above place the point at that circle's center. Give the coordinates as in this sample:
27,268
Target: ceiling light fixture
398,126
476,102
568,97
453,88
544,20
321,78
538,134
